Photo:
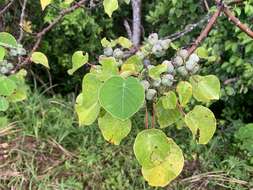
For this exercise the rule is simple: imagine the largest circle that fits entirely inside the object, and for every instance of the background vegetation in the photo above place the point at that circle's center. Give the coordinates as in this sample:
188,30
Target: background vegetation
44,148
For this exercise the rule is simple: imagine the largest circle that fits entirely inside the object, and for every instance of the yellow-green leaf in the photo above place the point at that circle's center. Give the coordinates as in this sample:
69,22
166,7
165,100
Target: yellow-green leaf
40,58
87,105
113,129
124,42
45,3
168,170
201,122
184,91
205,88
110,6
78,60
4,104
2,53
169,101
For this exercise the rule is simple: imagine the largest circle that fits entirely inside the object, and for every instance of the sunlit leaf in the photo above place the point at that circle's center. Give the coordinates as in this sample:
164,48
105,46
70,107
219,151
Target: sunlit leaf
114,130
4,104
110,6
156,71
202,123
2,53
151,148
205,88
124,42
40,58
78,60
168,170
87,105
7,40
184,91
7,86
109,68
45,3
122,98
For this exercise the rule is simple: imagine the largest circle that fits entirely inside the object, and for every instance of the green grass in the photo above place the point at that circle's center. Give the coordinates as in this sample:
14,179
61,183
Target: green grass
45,149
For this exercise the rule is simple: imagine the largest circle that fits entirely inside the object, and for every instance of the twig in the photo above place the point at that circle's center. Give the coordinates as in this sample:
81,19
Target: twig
237,22
40,35
128,29
146,117
206,30
206,5
6,7
136,34
189,28
21,22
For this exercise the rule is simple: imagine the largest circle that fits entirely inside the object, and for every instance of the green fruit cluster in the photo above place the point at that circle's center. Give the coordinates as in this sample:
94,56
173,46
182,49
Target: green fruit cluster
5,67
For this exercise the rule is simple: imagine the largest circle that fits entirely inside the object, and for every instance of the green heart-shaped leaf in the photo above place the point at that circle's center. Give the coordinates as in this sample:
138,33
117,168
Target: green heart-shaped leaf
122,98
114,130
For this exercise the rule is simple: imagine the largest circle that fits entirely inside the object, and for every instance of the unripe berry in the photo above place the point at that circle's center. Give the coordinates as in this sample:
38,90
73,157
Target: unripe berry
183,53
170,67
150,94
146,62
21,51
145,84
194,57
165,44
9,66
196,68
13,52
118,53
4,62
167,80
157,48
4,70
178,61
156,83
182,71
150,67
140,54
189,65
153,38
108,51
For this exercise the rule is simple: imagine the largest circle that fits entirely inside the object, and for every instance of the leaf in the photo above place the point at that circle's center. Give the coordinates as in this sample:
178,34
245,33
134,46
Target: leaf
7,40
78,60
163,174
122,98
124,42
4,104
133,65
151,148
7,86
156,71
40,58
20,92
45,3
127,1
87,105
184,91
109,68
114,130
202,52
202,122
2,53
169,101
110,6
166,117
3,122
205,88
